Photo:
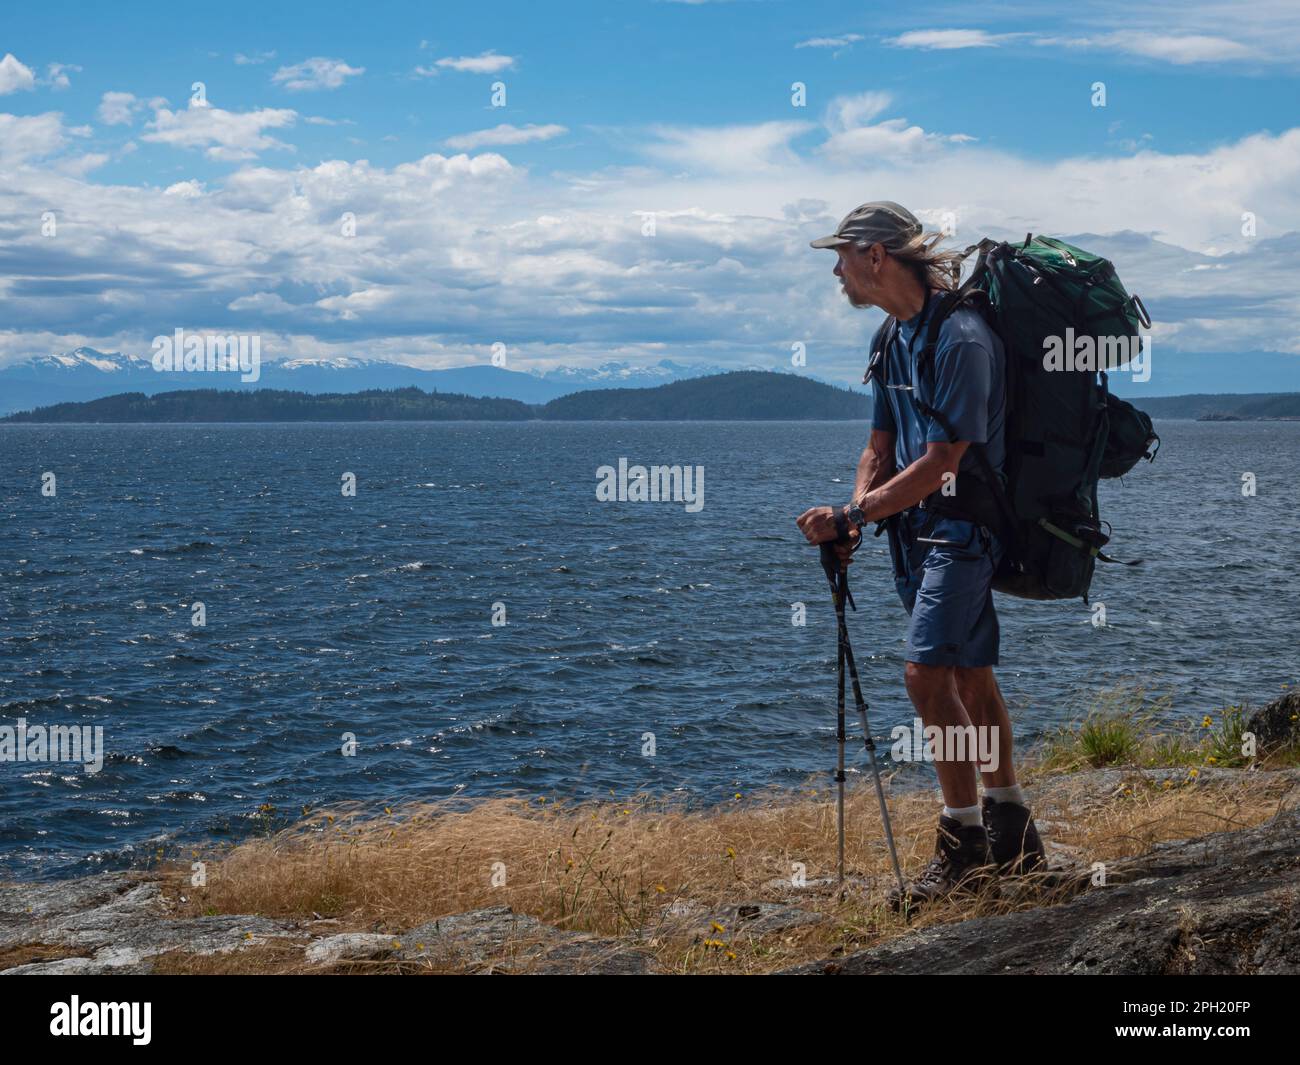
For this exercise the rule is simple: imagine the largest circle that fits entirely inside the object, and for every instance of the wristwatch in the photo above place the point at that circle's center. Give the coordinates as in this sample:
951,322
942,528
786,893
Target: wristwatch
854,513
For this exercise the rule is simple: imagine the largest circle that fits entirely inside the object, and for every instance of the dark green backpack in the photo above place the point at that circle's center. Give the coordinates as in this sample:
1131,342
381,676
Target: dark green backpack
1064,430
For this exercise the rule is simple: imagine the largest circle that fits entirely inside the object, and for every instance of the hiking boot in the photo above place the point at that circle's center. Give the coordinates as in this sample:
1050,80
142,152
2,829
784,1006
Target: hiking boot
1013,839
961,864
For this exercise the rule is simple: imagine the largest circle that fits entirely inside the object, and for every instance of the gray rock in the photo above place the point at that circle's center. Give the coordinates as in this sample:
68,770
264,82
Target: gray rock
1277,724
1224,903
757,919
500,940
79,967
476,936
685,917
119,921
350,945
594,956
20,903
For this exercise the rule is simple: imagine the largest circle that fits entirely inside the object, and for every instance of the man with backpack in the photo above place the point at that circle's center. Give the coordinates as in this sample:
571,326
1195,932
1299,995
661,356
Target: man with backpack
937,439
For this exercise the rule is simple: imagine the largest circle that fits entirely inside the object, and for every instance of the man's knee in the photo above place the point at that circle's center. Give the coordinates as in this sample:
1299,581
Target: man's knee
924,682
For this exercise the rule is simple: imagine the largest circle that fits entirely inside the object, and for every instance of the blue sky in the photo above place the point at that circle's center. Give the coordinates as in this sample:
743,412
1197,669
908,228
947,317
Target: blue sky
523,224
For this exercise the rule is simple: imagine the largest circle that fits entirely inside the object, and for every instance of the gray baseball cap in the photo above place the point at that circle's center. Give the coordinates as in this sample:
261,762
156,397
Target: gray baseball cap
881,221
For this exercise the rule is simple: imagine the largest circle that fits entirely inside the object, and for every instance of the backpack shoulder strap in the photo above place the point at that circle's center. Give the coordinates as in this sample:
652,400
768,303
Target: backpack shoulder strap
879,349
949,302
969,292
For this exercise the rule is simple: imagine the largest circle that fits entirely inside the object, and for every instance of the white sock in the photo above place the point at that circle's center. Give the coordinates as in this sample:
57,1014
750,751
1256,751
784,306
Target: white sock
969,816
1015,794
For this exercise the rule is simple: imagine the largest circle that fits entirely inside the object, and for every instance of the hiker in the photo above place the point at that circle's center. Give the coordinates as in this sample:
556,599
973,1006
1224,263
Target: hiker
919,475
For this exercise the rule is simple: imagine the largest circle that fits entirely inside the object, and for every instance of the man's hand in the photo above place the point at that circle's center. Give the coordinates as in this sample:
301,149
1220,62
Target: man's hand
818,525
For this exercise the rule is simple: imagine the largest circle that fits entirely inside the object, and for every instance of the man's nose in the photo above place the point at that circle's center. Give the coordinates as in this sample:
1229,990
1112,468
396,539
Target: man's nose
837,272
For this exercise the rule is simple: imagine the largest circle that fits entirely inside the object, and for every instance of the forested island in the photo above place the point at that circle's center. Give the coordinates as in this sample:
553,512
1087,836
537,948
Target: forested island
1257,406
745,395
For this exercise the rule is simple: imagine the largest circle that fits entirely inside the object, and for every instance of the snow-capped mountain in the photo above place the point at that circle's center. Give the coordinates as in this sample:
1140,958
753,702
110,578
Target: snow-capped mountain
85,373
87,359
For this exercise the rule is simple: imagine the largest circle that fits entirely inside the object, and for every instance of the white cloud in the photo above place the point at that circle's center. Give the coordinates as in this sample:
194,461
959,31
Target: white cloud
842,41
254,59
854,136
56,75
81,164
485,63
315,73
261,303
1180,49
1188,48
1154,43
186,190
225,135
27,138
118,108
846,112
454,251
943,40
727,149
14,76
505,134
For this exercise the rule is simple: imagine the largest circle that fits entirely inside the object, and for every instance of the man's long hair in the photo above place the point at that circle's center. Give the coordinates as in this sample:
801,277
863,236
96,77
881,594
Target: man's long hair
934,267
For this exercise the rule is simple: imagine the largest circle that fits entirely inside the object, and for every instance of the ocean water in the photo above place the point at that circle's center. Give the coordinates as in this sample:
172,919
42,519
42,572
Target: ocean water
373,616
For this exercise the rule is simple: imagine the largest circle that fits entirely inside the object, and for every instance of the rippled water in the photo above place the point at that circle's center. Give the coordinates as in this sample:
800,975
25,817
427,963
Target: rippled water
373,615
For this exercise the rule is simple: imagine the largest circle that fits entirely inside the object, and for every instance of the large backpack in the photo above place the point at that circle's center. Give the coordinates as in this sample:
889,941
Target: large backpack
1064,430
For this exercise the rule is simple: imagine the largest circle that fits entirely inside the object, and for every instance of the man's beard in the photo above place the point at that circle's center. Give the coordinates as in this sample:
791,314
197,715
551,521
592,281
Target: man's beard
855,301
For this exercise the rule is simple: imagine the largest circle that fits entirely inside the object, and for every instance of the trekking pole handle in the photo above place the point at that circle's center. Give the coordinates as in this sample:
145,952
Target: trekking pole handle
830,560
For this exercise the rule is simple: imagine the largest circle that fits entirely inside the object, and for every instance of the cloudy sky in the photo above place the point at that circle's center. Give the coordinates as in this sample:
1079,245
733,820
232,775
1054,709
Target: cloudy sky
506,163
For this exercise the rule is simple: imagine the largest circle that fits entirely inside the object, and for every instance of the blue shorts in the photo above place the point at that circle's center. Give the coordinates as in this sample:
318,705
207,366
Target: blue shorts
948,591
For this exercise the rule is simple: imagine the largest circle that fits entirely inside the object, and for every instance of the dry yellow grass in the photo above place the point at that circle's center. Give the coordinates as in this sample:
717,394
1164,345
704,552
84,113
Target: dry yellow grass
612,868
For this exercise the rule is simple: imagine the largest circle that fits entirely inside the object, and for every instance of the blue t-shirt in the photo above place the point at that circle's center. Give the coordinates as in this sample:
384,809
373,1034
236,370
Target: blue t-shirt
969,382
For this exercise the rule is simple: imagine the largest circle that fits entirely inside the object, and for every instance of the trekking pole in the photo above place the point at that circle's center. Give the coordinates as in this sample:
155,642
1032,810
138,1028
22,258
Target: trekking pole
838,577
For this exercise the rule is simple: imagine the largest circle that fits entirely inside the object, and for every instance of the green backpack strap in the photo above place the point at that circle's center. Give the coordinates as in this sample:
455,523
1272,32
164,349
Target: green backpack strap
1079,545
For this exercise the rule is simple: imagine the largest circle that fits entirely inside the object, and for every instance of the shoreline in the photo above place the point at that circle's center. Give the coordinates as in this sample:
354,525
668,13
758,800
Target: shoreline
1152,842
404,895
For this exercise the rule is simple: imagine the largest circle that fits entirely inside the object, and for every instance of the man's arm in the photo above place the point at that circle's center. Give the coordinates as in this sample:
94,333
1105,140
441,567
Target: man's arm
900,491
963,369
876,465
921,479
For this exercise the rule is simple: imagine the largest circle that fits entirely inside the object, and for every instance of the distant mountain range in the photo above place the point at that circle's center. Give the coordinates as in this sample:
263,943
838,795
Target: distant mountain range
99,387
86,374
1268,406
742,395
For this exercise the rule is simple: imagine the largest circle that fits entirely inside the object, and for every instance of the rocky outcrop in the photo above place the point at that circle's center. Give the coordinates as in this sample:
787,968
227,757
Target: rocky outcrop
500,940
118,923
1224,903
1277,724
113,923
752,919
350,946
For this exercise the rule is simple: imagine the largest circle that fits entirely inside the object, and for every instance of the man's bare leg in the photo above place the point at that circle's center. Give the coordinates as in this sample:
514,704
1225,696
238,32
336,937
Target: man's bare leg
933,691
979,693
962,851
1013,837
